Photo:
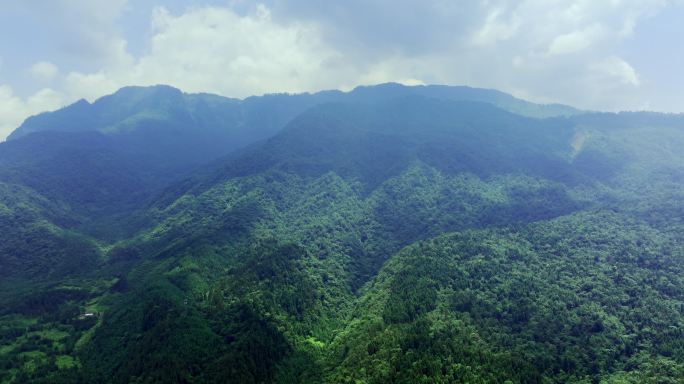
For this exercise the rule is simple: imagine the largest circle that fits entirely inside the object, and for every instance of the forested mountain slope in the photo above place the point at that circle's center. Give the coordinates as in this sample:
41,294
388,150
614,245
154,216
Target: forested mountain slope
389,234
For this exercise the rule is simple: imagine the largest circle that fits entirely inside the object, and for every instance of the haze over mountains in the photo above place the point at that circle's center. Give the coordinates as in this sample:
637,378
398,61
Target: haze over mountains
388,234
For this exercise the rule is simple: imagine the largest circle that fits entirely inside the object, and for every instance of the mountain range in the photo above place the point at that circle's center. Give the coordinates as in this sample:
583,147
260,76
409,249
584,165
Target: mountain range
390,234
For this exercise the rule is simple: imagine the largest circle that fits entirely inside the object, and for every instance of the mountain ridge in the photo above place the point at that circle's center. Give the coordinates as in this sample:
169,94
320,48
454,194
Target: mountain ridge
385,90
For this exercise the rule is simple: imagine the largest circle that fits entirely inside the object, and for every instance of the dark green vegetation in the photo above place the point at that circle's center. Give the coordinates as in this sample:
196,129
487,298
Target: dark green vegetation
387,235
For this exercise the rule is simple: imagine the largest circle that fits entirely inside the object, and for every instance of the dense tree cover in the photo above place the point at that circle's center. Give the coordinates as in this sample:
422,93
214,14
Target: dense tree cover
570,300
393,235
34,243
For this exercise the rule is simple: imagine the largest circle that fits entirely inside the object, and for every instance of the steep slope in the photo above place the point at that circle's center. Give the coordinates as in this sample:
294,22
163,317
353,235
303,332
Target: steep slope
371,142
588,297
167,125
390,237
84,169
411,140
299,222
108,157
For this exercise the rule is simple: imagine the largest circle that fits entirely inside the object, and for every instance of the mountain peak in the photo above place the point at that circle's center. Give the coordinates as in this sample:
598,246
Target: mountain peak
156,90
103,112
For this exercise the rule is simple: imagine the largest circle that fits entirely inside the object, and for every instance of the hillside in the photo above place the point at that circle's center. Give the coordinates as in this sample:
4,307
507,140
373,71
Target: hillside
388,234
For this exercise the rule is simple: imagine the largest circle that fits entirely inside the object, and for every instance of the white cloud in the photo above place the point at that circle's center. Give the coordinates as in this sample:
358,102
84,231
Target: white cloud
216,50
618,69
44,70
575,41
495,30
13,109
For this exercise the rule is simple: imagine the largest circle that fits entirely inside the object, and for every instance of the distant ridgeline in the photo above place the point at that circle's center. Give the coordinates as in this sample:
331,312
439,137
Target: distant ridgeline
390,234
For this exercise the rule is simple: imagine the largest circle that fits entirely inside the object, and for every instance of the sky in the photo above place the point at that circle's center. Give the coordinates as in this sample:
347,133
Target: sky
593,54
